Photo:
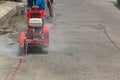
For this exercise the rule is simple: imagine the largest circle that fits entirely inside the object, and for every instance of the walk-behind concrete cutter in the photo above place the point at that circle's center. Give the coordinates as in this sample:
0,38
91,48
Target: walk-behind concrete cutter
37,34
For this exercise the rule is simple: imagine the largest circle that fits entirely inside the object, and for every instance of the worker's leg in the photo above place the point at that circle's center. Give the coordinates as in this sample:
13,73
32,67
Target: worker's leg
51,7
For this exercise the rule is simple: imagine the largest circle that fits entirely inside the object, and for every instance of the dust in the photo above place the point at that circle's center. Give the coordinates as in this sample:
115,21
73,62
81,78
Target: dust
57,41
8,47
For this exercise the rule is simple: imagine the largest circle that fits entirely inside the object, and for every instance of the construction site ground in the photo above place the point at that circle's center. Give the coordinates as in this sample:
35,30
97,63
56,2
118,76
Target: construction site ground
84,43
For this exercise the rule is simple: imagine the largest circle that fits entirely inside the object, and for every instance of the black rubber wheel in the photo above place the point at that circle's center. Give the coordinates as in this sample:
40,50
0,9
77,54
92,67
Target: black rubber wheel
19,0
21,51
118,2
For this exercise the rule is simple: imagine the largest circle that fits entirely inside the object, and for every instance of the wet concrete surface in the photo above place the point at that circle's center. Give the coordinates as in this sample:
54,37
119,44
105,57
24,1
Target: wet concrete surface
84,44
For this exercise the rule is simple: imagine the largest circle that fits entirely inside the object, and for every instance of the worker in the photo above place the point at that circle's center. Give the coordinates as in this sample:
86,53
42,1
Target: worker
50,7
40,4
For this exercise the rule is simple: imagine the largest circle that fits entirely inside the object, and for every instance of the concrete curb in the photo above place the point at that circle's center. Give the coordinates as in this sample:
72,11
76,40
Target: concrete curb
7,10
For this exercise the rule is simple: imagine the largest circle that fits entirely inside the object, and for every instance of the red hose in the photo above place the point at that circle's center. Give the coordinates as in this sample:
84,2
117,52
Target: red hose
23,58
17,68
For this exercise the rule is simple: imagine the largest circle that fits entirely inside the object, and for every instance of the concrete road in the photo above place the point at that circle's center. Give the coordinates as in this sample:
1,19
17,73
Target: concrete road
84,45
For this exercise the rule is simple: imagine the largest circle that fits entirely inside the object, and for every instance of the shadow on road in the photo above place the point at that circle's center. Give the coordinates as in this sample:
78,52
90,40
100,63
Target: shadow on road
35,50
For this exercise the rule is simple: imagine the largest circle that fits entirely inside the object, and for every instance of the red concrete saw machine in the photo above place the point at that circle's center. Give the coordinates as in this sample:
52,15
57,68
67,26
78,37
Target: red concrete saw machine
37,34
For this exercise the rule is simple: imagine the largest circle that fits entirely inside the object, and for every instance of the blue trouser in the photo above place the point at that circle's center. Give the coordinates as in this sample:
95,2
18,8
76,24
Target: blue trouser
39,3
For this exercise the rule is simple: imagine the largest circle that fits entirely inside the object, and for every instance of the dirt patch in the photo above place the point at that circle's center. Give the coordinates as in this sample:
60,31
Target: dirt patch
17,24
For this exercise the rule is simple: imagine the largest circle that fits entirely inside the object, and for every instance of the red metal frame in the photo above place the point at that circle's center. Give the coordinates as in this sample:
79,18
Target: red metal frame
30,12
28,39
42,14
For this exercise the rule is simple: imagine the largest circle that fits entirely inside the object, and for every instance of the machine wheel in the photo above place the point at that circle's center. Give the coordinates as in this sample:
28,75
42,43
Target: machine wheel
21,51
21,43
118,2
46,36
